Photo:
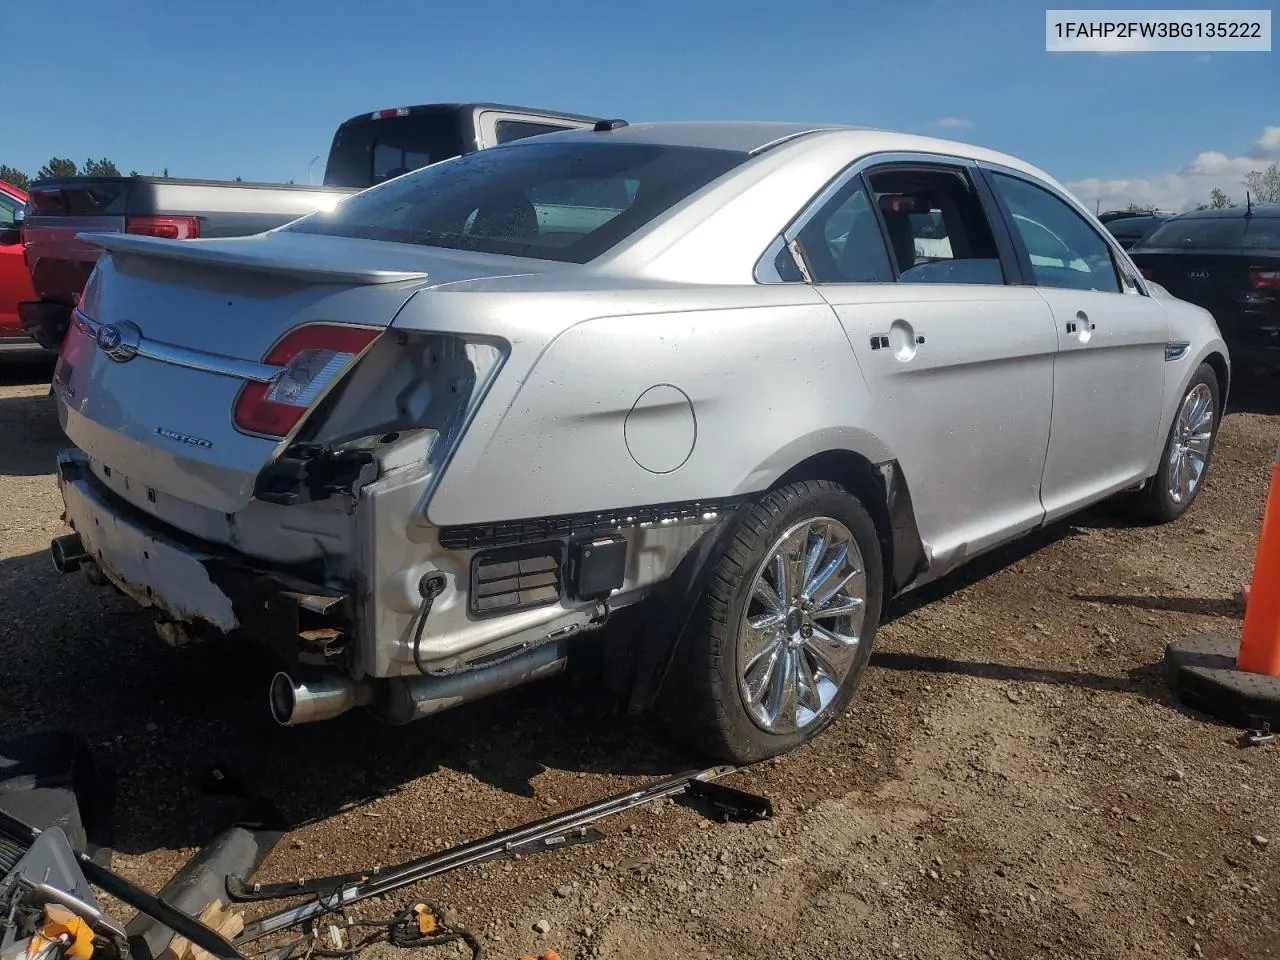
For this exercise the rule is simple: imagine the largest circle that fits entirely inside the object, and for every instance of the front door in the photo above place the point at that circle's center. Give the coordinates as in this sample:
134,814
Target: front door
1108,378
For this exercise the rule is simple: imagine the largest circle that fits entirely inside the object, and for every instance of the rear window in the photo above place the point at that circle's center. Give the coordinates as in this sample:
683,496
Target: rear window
371,151
567,200
1215,233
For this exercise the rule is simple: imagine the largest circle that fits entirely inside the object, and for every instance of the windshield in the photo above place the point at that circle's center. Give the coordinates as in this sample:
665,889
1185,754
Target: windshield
1215,233
567,200
370,151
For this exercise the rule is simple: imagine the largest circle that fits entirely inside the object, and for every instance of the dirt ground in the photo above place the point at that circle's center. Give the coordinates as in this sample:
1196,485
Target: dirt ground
1014,780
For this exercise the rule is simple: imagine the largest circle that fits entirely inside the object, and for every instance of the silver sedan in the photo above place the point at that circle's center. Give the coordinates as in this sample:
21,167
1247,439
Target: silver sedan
752,379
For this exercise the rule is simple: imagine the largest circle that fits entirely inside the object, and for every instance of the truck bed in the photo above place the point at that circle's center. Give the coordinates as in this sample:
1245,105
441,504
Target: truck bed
58,210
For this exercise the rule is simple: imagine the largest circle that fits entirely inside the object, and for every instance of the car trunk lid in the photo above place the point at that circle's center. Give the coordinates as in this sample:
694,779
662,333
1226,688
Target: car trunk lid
202,316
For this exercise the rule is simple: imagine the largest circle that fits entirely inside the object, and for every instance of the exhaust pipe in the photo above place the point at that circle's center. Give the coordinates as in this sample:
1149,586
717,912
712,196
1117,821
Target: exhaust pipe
67,553
412,698
401,700
316,697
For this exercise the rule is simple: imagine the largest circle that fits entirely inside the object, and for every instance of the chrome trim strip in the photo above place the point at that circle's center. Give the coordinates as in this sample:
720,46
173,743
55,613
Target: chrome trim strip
1176,350
178,356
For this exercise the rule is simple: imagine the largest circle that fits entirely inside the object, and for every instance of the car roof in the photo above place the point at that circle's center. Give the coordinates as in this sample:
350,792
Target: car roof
1266,210
15,192
744,136
751,136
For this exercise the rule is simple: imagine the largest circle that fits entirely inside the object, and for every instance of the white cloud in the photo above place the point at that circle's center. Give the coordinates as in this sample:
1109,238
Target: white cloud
1269,143
1183,189
953,122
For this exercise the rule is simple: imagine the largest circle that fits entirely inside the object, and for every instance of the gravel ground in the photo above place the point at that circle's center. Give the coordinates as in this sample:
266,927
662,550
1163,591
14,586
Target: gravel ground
1014,780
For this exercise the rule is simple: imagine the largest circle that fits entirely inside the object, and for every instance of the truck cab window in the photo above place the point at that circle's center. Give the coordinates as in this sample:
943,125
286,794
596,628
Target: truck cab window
508,130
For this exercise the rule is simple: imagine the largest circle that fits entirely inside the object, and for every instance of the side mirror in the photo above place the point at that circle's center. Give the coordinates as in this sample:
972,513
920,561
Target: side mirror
10,236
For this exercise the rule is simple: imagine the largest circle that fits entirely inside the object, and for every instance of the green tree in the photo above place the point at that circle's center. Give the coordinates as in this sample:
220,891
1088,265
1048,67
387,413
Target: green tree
1217,201
14,176
100,168
57,167
1140,208
1264,185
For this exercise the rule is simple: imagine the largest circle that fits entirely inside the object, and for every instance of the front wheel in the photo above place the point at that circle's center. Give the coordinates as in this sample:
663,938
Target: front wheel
1187,451
783,634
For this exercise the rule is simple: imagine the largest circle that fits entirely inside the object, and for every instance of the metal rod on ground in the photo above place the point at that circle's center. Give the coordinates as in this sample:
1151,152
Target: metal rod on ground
346,890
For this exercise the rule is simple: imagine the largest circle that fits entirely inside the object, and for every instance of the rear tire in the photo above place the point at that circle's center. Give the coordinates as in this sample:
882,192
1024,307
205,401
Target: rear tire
1188,450
781,637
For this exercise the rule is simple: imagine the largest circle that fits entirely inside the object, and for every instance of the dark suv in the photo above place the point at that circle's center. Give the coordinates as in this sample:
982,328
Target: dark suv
1227,261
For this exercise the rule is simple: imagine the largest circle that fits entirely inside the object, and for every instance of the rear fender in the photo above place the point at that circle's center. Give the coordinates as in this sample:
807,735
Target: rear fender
882,488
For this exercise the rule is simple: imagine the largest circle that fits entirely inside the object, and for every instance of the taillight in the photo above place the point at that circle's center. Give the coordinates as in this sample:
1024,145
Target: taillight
388,114
171,228
1265,279
313,357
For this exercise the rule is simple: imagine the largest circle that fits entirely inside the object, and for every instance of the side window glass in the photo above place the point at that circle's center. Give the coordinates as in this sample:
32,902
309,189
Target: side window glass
843,243
938,230
1065,251
8,211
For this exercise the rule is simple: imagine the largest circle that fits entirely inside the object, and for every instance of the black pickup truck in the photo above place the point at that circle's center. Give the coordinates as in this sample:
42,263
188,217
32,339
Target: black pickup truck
366,150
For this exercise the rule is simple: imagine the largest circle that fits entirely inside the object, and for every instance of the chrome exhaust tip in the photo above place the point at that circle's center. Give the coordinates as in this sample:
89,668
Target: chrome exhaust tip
323,696
67,553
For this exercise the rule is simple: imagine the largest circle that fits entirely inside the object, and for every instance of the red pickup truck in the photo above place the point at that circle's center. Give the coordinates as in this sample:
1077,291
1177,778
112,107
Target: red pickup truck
15,278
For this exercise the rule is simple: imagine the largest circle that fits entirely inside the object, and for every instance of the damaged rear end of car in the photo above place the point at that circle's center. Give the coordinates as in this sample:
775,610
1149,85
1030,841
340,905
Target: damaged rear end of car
256,443
263,427
248,430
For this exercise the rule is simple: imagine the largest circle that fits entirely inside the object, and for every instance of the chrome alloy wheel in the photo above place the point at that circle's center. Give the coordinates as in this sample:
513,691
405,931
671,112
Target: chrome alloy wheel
1190,442
800,632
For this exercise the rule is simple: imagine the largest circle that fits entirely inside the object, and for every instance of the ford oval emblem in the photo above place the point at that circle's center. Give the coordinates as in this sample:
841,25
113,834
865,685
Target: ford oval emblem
119,341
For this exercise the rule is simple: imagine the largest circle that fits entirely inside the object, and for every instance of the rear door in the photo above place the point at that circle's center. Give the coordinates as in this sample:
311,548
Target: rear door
958,363
1108,377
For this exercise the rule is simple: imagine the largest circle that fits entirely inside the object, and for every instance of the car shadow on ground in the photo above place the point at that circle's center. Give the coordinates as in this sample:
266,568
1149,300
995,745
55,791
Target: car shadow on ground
1255,394
23,365
30,436
1147,680
166,717
82,658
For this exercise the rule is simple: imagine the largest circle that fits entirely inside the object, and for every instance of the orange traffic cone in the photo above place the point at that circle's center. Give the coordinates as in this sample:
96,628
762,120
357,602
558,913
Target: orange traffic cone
1260,641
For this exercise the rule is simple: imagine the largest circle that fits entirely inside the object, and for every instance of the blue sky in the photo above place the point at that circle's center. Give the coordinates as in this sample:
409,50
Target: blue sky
255,89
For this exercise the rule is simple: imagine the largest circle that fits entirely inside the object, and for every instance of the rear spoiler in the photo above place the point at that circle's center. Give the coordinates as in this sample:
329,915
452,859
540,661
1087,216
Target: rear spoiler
240,255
